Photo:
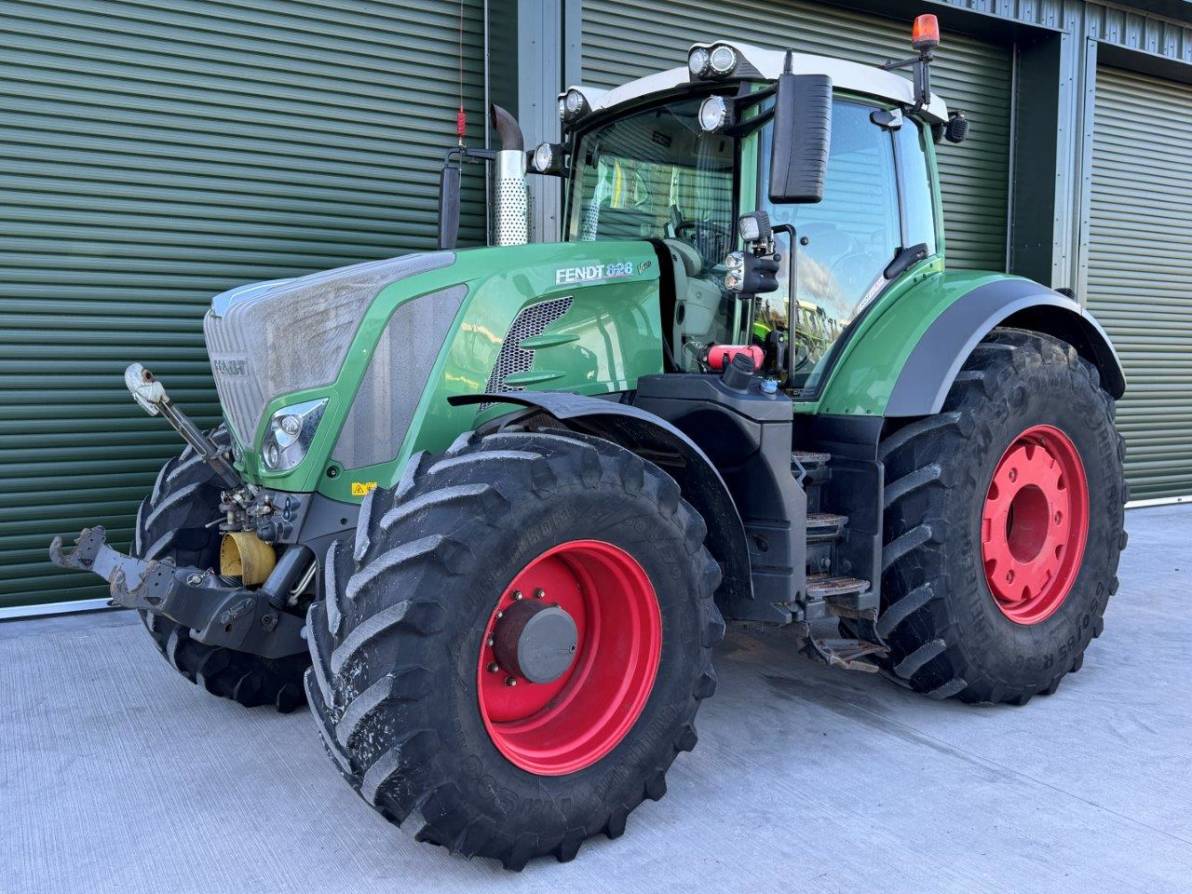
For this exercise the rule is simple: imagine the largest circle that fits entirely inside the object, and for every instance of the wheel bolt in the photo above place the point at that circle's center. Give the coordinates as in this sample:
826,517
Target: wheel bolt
490,642
493,667
517,596
510,681
539,593
500,615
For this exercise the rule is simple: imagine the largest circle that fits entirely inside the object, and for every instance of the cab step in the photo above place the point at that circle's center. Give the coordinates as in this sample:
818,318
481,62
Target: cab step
807,458
850,654
826,586
823,526
810,468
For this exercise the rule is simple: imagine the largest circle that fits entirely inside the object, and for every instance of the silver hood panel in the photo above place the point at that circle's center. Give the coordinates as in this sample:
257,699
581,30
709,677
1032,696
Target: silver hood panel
270,338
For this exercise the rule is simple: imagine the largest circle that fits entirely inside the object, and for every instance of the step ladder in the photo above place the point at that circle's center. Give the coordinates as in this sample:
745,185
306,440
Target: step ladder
832,592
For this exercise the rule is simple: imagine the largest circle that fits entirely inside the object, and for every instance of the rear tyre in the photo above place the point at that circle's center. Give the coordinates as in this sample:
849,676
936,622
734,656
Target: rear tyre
172,523
1003,525
441,717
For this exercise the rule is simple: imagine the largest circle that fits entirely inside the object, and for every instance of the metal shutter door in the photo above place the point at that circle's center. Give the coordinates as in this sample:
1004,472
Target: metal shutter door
155,154
1140,269
625,39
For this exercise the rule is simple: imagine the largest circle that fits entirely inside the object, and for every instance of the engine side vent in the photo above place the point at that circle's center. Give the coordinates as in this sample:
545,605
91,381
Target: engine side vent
529,322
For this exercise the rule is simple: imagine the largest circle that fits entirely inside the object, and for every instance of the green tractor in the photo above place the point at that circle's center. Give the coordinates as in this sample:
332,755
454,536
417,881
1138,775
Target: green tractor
488,510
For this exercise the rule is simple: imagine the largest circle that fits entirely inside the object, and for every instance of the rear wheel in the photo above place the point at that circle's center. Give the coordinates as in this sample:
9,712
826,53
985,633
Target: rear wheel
174,522
1003,525
512,652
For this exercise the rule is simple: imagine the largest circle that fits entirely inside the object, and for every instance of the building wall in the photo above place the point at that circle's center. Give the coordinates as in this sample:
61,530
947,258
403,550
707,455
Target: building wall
154,154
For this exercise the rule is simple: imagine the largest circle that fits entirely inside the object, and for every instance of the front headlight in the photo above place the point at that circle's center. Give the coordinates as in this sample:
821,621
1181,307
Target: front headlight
291,429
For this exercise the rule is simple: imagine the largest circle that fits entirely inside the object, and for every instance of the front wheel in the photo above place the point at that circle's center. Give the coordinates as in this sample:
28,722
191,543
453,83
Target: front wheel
1003,525
512,652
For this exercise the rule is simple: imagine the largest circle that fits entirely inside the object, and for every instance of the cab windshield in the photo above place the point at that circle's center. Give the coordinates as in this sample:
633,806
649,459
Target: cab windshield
656,175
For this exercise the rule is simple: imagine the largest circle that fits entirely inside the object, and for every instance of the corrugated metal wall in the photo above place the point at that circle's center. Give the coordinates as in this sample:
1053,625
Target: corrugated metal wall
628,38
1140,268
154,154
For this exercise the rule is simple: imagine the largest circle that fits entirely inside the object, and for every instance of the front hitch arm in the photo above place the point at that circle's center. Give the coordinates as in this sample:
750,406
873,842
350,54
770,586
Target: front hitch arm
235,617
150,394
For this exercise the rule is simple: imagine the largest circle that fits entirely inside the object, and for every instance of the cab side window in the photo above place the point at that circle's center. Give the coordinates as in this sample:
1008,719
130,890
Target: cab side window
846,241
920,213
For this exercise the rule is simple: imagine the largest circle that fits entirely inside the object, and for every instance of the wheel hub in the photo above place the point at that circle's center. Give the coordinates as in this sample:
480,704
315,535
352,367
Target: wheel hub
569,657
535,641
1034,524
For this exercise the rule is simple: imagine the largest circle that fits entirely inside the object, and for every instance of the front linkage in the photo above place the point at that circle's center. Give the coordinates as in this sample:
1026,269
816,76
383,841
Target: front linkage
219,615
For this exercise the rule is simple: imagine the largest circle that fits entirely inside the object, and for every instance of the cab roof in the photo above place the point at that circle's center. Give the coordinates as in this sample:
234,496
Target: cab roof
766,65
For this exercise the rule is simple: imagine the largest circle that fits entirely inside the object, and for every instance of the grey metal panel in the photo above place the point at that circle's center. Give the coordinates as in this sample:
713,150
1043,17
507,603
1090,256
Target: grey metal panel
1136,30
153,154
1140,268
395,380
629,38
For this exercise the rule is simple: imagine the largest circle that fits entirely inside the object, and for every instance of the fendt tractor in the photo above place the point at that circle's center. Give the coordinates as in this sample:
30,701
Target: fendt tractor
488,510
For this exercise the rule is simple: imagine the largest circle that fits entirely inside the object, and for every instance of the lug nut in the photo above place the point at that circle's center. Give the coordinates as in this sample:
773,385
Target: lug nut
490,642
500,615
493,667
539,593
517,596
510,681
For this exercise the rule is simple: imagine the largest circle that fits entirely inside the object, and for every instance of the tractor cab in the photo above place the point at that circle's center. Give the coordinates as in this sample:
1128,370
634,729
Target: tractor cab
831,162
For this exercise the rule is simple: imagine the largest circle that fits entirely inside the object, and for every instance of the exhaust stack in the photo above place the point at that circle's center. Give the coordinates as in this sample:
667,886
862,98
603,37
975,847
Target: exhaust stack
511,197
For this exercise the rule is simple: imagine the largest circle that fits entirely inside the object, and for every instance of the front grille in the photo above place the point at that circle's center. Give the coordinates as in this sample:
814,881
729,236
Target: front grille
270,339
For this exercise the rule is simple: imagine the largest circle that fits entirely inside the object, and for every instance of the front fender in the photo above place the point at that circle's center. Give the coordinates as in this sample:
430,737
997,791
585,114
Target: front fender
657,440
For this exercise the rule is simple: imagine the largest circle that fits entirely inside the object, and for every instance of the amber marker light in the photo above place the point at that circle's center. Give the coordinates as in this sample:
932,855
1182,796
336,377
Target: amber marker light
925,34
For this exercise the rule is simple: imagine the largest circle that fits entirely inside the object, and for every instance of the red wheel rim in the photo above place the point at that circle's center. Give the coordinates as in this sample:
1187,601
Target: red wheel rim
560,727
1034,524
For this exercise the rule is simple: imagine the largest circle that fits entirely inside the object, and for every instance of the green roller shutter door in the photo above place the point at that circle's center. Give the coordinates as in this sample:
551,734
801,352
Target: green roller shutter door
154,154
625,39
1140,269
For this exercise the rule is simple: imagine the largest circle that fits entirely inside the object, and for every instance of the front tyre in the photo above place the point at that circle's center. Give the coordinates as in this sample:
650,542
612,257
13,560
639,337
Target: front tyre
175,522
1003,525
512,652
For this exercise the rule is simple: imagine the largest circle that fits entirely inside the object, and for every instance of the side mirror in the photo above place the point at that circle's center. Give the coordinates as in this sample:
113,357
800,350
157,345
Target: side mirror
449,183
802,131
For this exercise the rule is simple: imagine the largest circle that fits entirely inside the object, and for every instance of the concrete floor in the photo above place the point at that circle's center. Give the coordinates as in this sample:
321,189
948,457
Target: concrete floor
117,775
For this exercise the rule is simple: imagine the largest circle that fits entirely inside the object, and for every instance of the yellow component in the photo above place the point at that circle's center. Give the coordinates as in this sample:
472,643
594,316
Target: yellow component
362,488
246,556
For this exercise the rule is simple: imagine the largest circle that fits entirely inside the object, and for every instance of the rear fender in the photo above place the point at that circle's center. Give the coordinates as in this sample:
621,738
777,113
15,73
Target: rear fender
933,364
655,439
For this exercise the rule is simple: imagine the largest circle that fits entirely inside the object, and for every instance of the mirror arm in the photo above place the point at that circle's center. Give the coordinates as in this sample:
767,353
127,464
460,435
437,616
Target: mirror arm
745,128
449,189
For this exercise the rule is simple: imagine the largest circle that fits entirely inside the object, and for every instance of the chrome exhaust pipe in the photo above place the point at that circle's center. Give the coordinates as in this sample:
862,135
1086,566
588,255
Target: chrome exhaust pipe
511,195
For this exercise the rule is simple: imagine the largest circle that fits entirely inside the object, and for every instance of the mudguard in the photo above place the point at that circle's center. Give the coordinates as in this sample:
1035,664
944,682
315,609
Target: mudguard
929,371
662,443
